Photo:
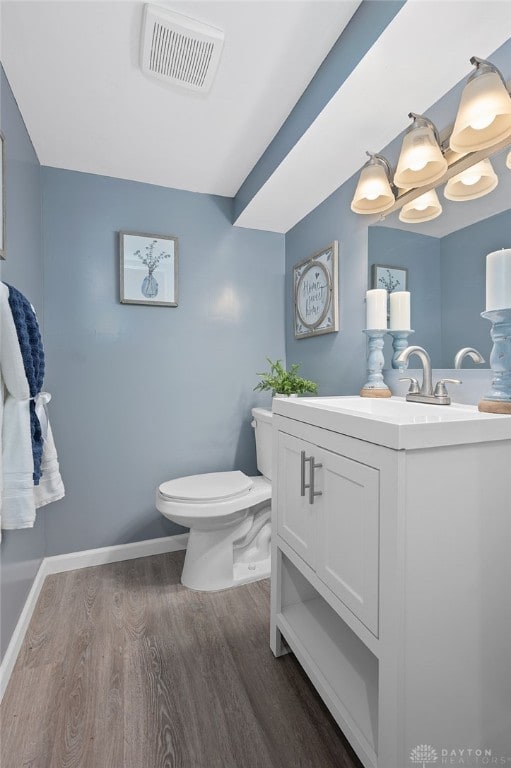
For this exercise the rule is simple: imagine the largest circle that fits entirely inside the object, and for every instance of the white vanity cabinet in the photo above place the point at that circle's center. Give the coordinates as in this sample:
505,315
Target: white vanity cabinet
329,515
391,571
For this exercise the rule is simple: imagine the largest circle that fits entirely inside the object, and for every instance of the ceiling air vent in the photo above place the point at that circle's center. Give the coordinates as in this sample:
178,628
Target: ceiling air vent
180,50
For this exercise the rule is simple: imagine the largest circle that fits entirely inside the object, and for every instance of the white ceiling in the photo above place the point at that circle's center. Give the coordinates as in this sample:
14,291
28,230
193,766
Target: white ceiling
74,69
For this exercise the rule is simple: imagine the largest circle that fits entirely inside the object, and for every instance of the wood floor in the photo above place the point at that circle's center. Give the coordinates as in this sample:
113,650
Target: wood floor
122,667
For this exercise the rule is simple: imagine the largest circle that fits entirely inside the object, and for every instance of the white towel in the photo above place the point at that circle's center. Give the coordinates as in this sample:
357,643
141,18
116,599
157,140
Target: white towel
17,504
19,498
51,487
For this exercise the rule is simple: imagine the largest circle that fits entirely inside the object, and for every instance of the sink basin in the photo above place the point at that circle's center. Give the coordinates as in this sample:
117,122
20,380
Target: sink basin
396,410
394,423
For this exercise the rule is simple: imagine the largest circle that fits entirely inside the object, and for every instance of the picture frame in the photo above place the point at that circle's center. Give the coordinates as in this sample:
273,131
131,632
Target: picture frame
2,197
148,269
315,293
389,277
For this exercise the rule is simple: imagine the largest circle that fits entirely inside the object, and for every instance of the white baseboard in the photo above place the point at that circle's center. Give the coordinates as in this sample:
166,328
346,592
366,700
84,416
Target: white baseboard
11,654
71,562
104,555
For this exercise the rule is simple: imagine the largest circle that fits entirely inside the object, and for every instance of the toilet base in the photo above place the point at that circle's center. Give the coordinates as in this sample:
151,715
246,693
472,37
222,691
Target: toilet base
243,574
222,559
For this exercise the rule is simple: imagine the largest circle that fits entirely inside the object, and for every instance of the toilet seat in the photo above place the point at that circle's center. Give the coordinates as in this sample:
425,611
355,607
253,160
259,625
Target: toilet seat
214,514
210,488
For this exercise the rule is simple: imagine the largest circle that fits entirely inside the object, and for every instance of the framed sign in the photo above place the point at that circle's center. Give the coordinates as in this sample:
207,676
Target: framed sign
148,269
315,282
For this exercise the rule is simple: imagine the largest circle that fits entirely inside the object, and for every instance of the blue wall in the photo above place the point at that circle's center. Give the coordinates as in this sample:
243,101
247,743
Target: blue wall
336,360
420,254
144,394
21,551
463,274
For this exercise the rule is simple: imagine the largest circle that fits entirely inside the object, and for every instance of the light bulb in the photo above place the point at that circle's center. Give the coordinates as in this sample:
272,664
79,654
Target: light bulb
417,164
482,121
469,179
423,208
419,151
371,193
476,181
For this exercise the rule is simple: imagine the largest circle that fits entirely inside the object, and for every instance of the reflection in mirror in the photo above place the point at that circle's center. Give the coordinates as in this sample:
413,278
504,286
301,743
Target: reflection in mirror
446,262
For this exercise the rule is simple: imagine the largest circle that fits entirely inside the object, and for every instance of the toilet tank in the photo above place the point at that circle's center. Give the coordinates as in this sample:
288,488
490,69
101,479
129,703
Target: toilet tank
262,424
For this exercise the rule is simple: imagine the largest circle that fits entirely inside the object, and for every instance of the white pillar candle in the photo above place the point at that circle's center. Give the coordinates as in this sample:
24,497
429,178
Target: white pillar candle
400,311
376,309
498,279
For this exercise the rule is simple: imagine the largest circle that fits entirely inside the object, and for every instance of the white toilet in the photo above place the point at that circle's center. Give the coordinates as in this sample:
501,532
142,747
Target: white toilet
228,514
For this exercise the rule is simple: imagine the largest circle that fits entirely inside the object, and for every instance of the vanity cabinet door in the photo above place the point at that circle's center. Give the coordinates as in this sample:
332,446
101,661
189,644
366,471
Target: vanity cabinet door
296,517
348,543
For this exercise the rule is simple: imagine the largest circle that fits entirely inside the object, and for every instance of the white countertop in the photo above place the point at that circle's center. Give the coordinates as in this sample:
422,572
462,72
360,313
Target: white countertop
395,423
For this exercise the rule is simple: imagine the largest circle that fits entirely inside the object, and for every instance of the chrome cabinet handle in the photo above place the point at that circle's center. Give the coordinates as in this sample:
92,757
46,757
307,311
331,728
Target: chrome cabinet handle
310,485
312,492
303,486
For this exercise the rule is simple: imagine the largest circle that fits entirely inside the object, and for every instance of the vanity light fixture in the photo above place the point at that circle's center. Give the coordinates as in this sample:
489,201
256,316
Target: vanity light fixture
457,159
374,192
423,208
484,113
421,160
477,181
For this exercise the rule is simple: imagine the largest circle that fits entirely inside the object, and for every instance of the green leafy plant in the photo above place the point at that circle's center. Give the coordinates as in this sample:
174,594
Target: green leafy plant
283,382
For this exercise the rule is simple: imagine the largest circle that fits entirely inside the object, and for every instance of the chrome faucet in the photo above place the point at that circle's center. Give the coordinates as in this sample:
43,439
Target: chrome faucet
426,388
468,352
425,393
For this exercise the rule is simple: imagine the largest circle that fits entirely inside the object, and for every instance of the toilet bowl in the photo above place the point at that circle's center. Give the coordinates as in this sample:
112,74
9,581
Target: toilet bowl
228,514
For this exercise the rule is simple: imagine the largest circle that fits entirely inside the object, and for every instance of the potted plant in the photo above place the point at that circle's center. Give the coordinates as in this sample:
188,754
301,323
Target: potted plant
286,383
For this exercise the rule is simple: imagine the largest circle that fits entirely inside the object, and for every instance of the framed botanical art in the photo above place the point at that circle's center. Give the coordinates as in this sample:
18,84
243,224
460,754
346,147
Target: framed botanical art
148,269
2,197
315,281
390,278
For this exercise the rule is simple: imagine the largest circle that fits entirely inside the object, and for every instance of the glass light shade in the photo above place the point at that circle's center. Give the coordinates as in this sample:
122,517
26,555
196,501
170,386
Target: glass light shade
484,114
508,160
478,180
420,161
373,193
423,208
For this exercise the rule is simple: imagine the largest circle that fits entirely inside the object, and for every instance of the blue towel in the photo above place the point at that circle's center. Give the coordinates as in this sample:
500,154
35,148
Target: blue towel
29,337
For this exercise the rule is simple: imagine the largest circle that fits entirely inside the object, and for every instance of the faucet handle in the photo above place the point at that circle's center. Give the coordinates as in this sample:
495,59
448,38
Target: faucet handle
414,384
441,389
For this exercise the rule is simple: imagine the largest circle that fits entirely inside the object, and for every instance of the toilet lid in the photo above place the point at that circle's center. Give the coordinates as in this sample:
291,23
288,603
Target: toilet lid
201,489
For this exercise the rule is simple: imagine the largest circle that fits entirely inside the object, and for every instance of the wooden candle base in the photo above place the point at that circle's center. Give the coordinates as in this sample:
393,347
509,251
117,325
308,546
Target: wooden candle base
495,406
365,392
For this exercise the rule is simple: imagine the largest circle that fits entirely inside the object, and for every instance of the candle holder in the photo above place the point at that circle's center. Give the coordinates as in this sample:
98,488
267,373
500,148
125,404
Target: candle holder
399,342
499,399
375,386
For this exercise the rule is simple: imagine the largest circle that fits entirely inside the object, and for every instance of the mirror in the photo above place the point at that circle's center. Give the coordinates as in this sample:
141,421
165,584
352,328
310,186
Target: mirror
446,263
